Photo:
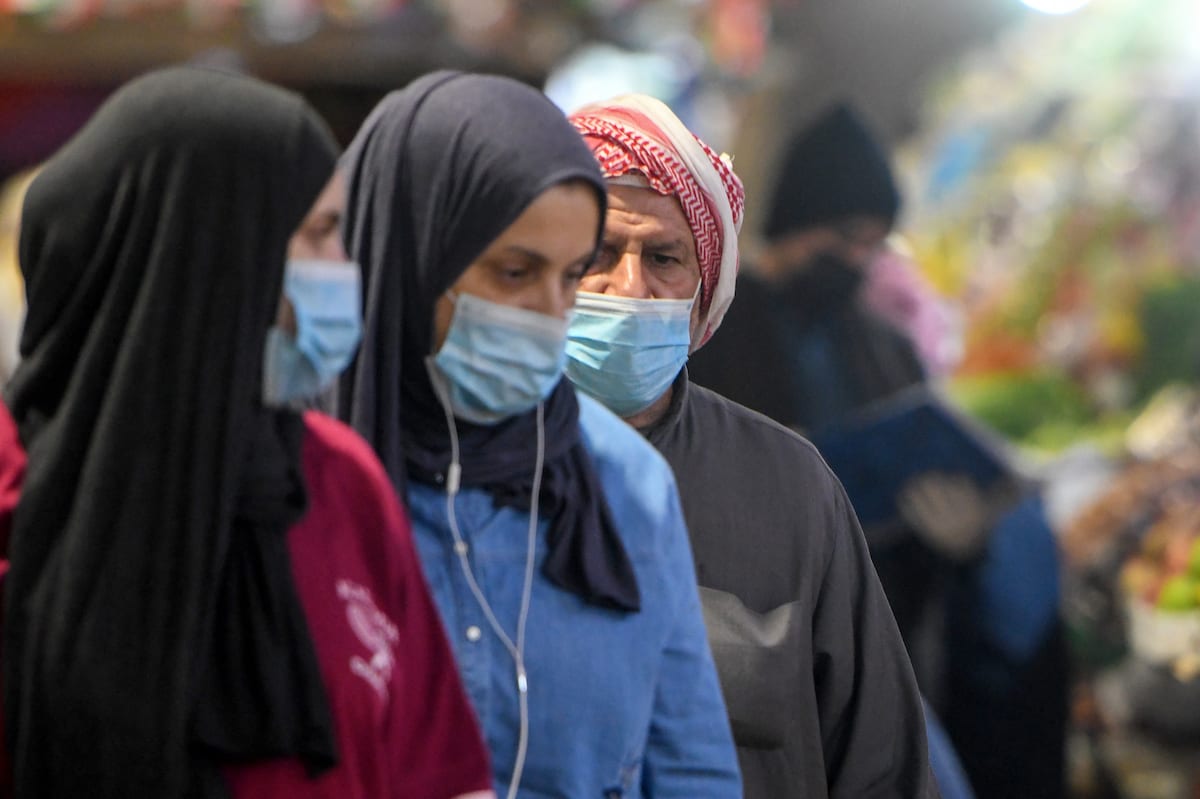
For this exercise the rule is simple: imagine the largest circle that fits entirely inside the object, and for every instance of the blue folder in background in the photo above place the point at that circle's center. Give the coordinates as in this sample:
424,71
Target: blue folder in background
881,448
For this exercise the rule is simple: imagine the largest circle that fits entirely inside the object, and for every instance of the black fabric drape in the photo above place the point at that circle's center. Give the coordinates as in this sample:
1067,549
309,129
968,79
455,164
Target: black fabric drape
158,489
439,170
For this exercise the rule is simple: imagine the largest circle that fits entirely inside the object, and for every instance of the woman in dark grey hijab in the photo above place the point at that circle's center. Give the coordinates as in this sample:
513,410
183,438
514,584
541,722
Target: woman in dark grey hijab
475,209
426,198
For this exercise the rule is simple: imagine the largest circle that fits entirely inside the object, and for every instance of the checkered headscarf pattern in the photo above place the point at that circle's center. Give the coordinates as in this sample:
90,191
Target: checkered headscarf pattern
625,139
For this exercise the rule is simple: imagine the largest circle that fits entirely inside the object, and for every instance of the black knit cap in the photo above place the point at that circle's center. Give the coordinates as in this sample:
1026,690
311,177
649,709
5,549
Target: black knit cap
833,169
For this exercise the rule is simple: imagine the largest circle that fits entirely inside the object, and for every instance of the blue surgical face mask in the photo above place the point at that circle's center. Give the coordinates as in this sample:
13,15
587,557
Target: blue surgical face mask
498,361
326,298
626,352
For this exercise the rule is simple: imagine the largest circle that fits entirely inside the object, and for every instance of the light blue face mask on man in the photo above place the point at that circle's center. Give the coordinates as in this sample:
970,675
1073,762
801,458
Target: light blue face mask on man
625,352
497,360
326,298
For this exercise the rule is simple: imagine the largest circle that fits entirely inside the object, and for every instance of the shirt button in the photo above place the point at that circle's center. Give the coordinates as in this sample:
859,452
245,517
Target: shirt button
474,633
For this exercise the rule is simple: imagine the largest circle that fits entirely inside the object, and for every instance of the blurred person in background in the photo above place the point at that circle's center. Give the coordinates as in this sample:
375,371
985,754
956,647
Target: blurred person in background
896,291
972,578
1007,659
12,316
801,347
820,692
205,596
551,533
12,288
319,323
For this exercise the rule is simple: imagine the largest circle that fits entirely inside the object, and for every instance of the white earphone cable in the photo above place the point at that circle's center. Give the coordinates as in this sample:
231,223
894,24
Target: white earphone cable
515,650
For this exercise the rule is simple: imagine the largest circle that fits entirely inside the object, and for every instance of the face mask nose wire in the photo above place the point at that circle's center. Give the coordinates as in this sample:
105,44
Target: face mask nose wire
515,650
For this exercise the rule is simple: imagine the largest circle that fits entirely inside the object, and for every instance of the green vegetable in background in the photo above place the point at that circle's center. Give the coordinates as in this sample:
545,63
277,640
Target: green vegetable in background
1178,593
1018,405
1171,334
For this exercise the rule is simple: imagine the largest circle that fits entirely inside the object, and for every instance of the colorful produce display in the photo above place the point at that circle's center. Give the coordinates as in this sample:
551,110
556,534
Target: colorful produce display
1056,195
1165,573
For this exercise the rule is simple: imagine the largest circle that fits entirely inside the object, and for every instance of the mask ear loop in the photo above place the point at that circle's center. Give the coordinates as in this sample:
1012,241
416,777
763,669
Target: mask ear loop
693,346
515,650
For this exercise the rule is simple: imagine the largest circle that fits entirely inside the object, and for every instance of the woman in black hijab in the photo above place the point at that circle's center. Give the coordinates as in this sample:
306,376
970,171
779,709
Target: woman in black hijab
475,209
166,548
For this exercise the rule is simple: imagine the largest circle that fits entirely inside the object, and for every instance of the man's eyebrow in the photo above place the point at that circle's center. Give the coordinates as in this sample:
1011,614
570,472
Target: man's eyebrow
665,245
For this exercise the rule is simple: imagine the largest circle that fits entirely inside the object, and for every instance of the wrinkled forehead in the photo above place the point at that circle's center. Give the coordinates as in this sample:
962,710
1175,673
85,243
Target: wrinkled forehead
652,213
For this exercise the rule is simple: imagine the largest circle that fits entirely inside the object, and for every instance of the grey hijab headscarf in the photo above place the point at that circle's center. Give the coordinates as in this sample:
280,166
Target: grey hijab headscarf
439,170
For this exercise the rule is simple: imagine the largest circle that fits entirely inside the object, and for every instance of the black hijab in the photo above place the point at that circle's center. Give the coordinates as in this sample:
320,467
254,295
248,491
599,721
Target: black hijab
152,627
439,170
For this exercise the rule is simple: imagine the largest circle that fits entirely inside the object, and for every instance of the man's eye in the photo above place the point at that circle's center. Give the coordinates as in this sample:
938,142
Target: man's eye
661,259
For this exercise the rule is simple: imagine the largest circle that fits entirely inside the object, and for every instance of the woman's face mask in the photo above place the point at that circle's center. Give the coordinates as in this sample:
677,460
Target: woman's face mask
326,299
499,335
498,360
626,352
825,284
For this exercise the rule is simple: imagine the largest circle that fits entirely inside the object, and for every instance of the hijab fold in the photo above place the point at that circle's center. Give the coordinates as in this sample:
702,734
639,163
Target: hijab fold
439,170
152,628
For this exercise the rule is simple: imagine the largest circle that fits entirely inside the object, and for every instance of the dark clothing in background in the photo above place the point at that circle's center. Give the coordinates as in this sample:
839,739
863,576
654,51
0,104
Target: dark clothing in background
803,369
1008,661
819,690
158,488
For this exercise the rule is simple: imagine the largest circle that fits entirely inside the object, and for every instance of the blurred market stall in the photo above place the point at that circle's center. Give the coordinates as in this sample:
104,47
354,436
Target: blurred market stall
1055,191
59,58
1055,188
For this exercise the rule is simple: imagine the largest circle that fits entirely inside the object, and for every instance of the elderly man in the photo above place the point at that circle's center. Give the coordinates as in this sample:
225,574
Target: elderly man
819,689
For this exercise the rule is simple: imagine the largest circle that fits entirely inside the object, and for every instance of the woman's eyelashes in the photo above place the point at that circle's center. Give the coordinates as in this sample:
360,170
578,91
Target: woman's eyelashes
579,270
516,274
511,272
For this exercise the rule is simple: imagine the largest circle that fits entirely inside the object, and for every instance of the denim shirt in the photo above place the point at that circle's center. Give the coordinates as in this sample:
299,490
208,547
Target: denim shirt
620,705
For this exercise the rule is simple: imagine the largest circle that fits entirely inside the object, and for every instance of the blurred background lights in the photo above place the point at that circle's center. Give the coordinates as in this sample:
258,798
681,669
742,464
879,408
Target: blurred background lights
1056,6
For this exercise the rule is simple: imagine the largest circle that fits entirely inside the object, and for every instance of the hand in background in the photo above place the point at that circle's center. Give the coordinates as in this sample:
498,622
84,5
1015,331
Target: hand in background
950,513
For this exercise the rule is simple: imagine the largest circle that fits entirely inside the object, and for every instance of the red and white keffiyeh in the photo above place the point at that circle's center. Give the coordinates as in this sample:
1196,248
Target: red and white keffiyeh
637,134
